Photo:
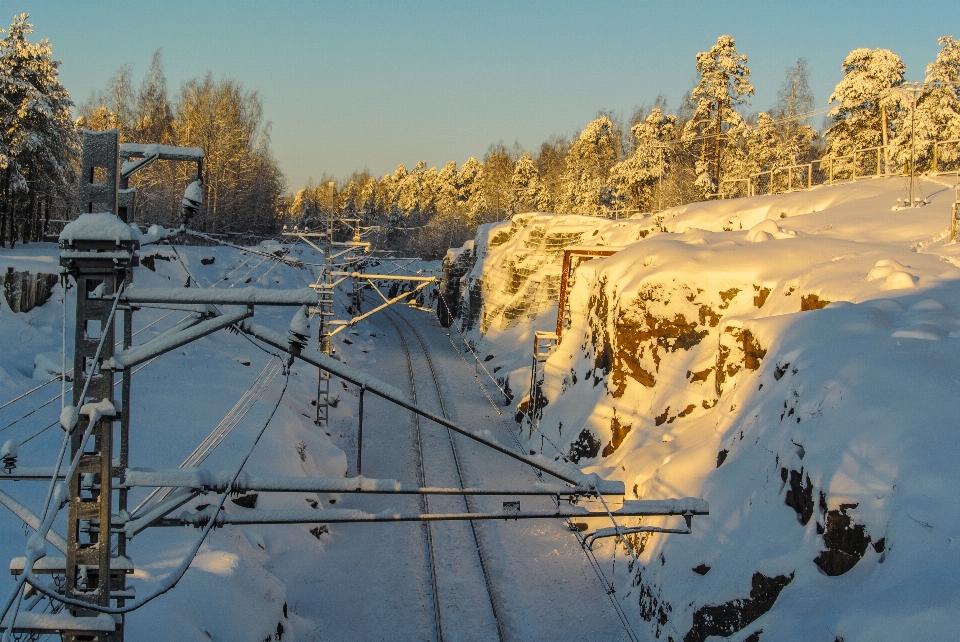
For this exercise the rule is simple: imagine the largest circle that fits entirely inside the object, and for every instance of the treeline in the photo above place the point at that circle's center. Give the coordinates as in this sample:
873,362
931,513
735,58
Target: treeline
243,186
659,159
40,144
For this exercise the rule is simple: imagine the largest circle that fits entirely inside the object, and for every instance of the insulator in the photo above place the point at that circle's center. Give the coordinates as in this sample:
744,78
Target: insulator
9,455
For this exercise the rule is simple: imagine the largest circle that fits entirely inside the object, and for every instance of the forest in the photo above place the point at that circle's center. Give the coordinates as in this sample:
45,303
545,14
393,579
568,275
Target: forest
656,159
710,146
40,132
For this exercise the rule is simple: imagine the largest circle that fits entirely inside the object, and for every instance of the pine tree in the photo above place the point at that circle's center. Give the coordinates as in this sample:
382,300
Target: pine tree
40,141
723,85
869,106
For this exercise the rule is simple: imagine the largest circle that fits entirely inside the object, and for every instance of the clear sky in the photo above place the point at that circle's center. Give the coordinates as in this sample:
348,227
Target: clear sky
349,85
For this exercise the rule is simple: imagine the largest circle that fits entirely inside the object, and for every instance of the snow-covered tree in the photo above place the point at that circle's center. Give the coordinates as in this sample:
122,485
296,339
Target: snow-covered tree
527,191
868,107
470,187
447,188
937,115
38,135
724,83
586,180
795,100
638,177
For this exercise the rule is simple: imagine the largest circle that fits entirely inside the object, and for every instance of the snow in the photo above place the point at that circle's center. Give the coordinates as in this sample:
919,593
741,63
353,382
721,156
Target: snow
100,226
69,416
835,320
855,308
225,296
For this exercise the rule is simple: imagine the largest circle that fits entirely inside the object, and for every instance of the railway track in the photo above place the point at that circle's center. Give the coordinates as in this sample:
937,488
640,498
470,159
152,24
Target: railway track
450,563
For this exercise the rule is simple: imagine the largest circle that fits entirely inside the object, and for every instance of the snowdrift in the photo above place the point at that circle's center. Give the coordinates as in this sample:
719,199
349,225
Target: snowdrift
791,359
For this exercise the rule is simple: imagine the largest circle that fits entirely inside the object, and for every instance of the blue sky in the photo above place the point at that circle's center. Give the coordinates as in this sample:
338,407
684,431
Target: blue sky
353,84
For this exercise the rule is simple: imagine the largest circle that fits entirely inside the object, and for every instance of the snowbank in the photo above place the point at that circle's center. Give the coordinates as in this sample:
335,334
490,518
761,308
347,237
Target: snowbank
787,358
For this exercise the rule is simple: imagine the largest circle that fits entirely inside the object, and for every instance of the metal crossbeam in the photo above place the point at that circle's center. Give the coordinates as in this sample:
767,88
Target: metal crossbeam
203,480
231,296
560,470
636,508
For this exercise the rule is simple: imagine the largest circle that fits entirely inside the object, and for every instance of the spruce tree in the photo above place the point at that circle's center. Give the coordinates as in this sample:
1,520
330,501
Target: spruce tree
585,182
638,179
39,138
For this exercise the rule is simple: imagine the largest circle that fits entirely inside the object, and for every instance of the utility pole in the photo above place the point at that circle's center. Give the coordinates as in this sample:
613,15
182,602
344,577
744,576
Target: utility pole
100,254
913,140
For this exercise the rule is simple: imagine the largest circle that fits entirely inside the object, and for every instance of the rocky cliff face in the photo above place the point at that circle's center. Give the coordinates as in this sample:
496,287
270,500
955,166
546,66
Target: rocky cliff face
794,378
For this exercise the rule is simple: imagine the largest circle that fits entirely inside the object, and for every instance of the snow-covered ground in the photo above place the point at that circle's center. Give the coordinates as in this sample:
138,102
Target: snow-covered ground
296,582
788,358
791,359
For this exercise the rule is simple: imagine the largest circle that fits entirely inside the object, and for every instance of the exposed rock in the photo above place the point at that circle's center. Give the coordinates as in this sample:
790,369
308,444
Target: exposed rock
618,433
702,375
735,615
653,608
247,501
25,291
846,542
738,349
812,302
761,296
661,419
799,496
586,445
149,261
727,296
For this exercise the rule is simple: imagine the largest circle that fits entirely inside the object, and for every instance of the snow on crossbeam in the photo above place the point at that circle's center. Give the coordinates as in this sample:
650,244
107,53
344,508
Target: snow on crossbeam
98,226
167,342
231,296
165,152
199,479
40,623
635,508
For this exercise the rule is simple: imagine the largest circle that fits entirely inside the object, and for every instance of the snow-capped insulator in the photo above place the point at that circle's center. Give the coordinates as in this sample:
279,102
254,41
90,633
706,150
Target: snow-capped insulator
9,455
299,331
192,200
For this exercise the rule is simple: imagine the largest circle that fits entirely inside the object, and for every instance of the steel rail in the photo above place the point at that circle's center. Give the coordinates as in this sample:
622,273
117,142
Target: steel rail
456,458
421,474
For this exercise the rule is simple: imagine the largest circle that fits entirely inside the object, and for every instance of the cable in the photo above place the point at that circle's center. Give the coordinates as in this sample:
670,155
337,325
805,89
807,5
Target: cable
116,383
31,391
608,585
219,433
174,578
46,517
526,413
591,557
